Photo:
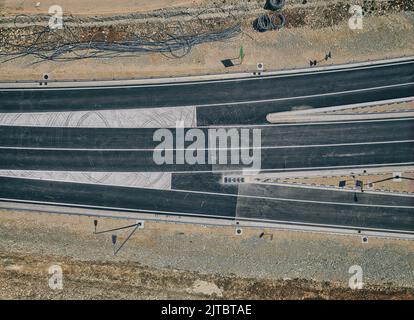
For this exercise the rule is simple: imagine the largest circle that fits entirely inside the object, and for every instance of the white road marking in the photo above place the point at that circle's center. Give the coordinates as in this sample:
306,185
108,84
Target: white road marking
233,103
303,97
296,200
346,106
284,222
218,78
208,220
302,169
206,149
239,126
263,198
254,171
303,124
112,208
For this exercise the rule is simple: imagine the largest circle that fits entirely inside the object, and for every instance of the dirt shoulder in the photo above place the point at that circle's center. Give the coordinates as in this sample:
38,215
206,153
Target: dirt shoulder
174,261
311,31
90,7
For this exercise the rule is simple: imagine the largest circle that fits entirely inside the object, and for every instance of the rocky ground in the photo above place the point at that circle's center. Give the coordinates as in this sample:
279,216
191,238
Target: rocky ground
174,261
311,30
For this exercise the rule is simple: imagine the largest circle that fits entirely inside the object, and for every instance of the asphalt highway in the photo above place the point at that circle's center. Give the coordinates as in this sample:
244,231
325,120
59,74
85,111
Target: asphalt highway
253,202
282,147
271,136
271,159
236,101
197,190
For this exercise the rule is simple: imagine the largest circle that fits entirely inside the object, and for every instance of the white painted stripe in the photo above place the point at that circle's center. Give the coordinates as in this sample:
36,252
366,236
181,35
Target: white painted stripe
254,171
49,176
228,77
218,149
298,200
115,208
344,107
234,103
293,170
325,228
315,168
213,221
275,118
270,125
304,97
135,210
304,124
323,225
269,198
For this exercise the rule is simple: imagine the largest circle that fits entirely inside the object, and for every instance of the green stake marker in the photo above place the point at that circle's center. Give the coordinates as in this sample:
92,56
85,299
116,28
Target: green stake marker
241,55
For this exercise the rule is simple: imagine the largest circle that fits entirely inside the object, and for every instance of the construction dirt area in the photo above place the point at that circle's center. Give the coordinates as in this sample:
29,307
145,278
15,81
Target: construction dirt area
176,261
310,32
166,260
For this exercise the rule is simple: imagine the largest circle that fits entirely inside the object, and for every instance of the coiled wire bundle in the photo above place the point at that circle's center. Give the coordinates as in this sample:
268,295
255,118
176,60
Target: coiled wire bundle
273,22
265,22
66,45
274,4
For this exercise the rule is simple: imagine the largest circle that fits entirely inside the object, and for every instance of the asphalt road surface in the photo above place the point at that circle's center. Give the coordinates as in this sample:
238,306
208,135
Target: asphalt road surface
272,135
236,101
197,190
204,194
282,147
253,202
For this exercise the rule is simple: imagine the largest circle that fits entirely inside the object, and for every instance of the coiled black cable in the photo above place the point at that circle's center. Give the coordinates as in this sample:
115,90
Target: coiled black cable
274,22
65,45
275,4
277,20
263,23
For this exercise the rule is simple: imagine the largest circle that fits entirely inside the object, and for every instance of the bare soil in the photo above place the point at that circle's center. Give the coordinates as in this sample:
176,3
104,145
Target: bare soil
311,31
171,261
90,7
25,276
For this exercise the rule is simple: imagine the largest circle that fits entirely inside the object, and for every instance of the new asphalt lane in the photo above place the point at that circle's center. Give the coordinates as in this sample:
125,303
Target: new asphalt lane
235,101
272,135
282,147
197,189
271,159
253,202
204,194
